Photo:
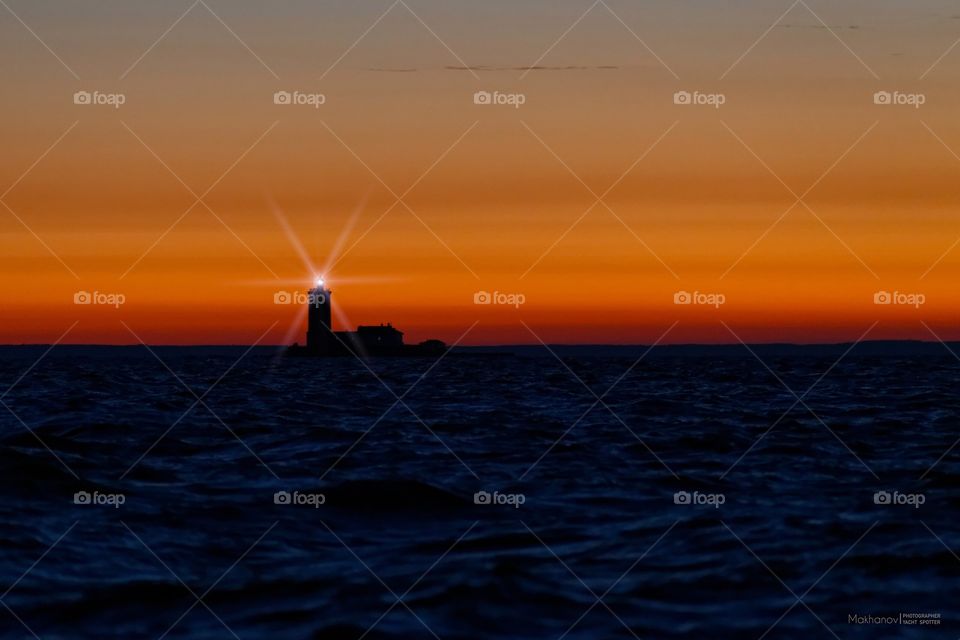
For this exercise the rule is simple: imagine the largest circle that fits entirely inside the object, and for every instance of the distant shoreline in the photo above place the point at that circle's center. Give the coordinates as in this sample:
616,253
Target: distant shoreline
867,348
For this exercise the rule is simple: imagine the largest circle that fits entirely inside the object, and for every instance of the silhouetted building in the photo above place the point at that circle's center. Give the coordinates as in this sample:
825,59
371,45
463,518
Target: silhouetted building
383,336
367,340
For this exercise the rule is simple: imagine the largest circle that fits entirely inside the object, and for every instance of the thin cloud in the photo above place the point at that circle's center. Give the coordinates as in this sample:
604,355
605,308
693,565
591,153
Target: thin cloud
819,26
605,67
481,68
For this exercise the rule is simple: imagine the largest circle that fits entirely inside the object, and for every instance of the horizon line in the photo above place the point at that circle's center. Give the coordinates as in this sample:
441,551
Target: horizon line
507,345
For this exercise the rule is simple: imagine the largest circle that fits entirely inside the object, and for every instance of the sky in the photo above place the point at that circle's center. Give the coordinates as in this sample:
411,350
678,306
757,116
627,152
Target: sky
598,202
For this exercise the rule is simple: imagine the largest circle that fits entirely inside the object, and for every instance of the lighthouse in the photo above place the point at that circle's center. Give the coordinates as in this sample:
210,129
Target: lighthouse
319,328
367,341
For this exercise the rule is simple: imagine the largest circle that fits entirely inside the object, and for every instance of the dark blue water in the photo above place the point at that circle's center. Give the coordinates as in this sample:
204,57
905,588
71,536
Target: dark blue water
787,542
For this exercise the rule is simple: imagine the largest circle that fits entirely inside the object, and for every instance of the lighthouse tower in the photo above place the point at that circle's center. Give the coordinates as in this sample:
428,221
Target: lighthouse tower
319,329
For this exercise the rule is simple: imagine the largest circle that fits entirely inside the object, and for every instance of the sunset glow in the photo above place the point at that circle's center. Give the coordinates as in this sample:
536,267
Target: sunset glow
598,197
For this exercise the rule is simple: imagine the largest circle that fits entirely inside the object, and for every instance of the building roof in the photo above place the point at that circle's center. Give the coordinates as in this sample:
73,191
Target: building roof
388,329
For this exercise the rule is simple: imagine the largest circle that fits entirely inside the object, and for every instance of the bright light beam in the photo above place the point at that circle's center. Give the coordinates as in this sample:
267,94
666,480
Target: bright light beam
334,253
318,275
294,329
292,235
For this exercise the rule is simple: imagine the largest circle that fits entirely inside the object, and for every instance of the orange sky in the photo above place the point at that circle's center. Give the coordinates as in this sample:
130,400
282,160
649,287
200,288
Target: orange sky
496,190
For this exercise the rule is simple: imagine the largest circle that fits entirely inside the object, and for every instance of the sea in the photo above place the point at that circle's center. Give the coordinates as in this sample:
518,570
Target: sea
530,493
